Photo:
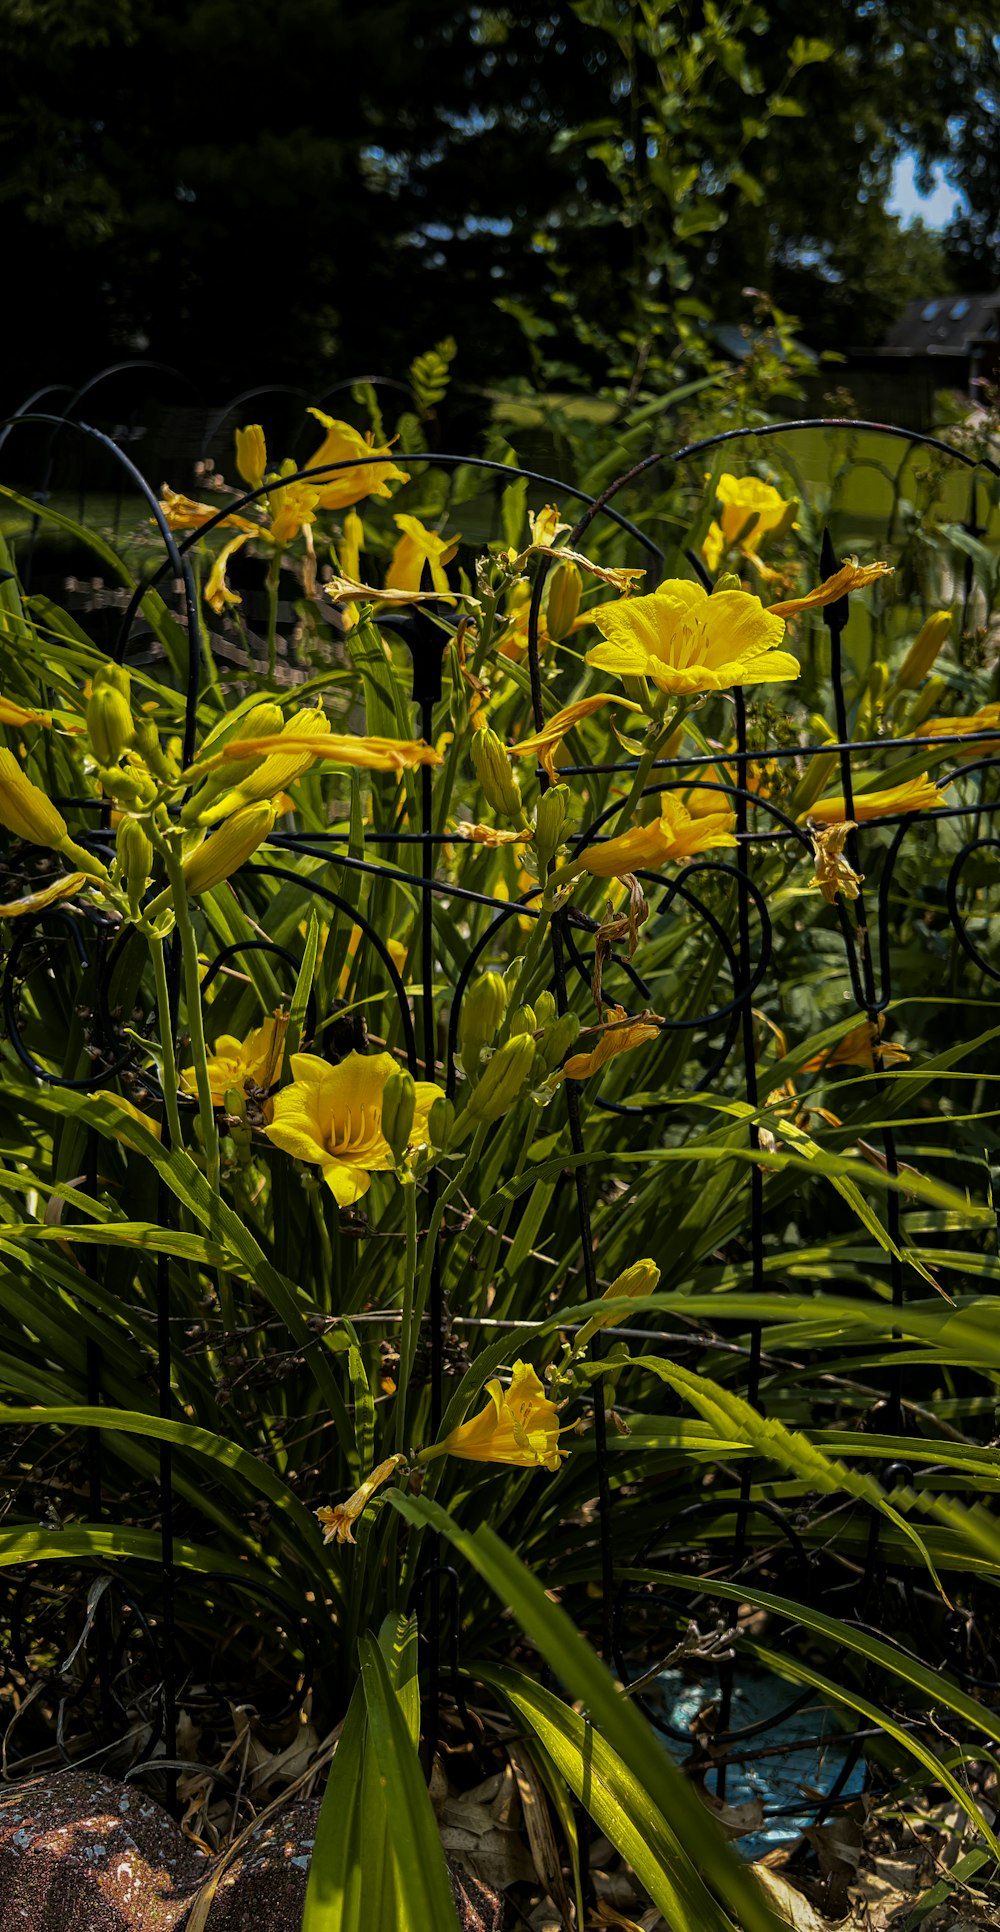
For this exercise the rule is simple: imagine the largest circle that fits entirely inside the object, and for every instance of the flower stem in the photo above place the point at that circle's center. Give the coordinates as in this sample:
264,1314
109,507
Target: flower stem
406,1344
646,763
168,1066
273,580
195,1016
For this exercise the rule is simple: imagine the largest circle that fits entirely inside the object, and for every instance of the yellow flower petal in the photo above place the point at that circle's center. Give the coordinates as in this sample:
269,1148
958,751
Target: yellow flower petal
545,743
850,576
914,795
688,643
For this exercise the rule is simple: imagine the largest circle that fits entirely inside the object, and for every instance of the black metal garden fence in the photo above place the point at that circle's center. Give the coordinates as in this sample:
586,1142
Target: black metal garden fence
759,1536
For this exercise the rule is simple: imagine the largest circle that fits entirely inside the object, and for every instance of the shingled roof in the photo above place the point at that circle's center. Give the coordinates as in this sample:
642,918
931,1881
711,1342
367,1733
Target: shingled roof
947,325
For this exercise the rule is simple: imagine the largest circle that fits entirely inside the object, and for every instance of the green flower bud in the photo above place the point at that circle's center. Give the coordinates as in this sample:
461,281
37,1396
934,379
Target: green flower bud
261,721
109,715
557,1040
925,705
522,1020
878,682
228,848
147,743
550,823
923,652
128,785
238,1127
495,773
483,1009
399,1105
813,784
440,1122
545,1009
562,610
729,579
135,861
502,1079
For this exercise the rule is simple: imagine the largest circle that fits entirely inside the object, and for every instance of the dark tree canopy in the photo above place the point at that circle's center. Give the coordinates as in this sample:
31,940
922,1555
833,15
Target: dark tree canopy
302,190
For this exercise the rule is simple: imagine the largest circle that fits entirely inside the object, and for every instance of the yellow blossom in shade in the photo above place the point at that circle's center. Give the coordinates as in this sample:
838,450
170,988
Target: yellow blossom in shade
519,1425
850,576
234,1063
217,593
251,455
24,808
332,1118
620,1035
349,549
295,507
674,834
544,744
491,835
854,1049
183,513
834,873
686,642
417,547
545,526
63,888
372,474
338,1522
987,718
749,511
18,714
914,795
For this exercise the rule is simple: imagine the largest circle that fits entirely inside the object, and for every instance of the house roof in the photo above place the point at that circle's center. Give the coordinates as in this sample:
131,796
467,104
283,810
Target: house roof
946,324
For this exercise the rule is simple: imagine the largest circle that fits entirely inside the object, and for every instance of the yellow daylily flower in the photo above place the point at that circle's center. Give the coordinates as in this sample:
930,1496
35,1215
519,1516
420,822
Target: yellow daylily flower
519,1425
236,1063
675,834
183,513
372,475
19,714
217,593
913,795
62,888
741,498
338,1522
850,576
332,1117
855,1050
687,643
296,508
491,835
416,547
286,755
619,1035
833,872
251,455
544,744
545,526
987,718
303,746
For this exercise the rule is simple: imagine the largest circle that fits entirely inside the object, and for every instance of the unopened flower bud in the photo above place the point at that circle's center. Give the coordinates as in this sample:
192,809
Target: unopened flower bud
642,1278
495,774
565,586
814,781
878,682
264,720
923,652
550,823
399,1105
545,1009
483,1009
238,1127
502,1079
440,1122
129,785
147,743
557,1040
135,860
24,808
251,455
728,581
522,1020
924,705
109,714
228,848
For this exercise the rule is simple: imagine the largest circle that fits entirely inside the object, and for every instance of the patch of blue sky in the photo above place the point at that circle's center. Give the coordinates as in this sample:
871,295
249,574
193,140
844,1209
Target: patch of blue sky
936,209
